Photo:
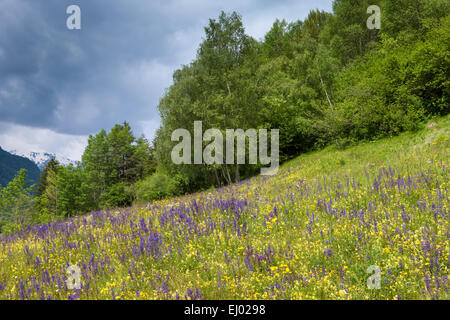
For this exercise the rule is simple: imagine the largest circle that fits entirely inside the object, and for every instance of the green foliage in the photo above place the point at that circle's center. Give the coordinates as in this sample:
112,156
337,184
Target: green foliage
406,17
118,195
346,33
47,191
16,202
73,191
50,166
392,89
428,69
112,162
96,162
219,89
154,187
160,185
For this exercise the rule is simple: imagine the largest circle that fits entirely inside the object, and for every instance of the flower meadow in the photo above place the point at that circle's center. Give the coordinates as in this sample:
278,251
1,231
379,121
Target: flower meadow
309,232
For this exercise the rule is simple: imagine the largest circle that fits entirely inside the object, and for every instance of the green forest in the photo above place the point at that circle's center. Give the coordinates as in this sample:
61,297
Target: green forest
11,164
326,80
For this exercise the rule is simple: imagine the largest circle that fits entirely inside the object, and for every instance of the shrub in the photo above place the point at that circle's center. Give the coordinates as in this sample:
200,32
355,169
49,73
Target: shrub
154,187
118,195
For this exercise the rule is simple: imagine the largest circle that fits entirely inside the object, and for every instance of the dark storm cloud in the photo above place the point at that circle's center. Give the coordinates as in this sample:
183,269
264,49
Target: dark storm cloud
71,81
116,67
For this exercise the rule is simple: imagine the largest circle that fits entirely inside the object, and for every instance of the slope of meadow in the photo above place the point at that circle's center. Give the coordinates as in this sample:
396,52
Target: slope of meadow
309,232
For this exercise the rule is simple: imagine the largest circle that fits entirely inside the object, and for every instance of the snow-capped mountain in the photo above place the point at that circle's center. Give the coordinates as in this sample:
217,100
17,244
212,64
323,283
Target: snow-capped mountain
41,158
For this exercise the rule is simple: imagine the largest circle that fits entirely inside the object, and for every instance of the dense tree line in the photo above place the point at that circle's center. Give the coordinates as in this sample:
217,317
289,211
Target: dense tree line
111,166
325,80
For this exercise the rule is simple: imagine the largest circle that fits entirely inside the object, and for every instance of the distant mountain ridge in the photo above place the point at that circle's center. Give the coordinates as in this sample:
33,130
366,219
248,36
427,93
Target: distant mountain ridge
42,158
10,164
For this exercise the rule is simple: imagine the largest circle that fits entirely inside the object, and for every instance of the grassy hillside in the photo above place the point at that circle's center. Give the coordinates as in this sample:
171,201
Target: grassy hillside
10,164
310,232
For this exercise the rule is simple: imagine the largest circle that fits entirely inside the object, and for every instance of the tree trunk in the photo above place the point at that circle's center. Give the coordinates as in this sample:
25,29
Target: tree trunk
325,89
224,174
227,176
238,176
217,177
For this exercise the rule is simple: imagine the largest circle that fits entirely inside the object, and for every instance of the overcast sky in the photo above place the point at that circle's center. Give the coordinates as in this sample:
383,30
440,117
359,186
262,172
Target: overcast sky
57,86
